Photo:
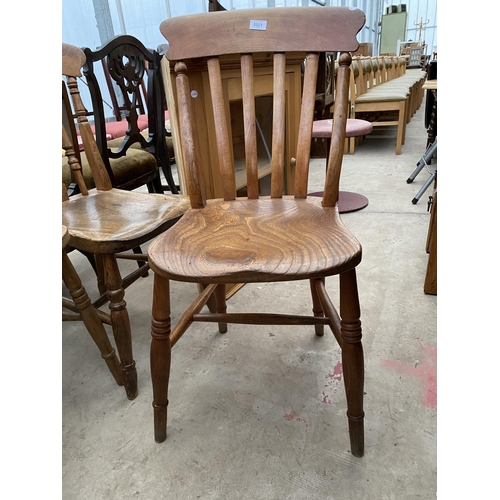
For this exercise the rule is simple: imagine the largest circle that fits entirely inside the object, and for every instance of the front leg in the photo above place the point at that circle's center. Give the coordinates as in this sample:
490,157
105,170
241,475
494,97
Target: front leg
352,359
160,354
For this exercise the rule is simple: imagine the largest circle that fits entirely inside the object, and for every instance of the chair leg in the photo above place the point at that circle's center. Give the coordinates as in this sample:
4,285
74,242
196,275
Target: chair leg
90,317
100,274
138,250
352,359
120,323
155,186
221,308
317,308
160,354
400,138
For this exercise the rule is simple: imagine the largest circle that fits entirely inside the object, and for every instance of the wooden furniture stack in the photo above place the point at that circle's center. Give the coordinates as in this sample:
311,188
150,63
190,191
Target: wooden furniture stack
385,93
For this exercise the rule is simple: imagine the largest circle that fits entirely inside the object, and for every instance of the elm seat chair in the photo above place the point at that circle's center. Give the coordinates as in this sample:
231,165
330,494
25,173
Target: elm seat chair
322,129
107,222
268,239
85,311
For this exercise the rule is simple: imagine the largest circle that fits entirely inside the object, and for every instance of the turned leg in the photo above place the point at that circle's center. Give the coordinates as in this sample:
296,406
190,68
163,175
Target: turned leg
120,323
220,304
90,317
160,354
352,359
317,308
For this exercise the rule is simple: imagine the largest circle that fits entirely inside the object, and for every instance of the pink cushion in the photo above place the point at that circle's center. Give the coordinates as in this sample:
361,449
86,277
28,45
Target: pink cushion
80,141
354,128
119,129
144,119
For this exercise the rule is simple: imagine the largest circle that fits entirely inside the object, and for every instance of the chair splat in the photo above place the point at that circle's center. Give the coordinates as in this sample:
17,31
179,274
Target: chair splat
222,132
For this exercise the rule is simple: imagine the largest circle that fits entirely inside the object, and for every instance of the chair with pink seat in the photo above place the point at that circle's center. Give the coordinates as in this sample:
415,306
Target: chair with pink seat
322,129
134,76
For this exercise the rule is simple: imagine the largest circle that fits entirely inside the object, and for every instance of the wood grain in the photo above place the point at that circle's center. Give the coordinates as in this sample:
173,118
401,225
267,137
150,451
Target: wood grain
254,241
311,32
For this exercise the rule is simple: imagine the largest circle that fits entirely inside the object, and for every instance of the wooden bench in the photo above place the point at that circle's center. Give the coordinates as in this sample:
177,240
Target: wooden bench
385,93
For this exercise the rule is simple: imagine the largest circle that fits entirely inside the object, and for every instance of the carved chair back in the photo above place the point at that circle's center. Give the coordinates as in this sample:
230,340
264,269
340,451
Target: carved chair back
137,72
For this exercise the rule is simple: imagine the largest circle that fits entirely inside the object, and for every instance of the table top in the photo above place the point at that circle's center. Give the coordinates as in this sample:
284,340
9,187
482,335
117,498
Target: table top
430,85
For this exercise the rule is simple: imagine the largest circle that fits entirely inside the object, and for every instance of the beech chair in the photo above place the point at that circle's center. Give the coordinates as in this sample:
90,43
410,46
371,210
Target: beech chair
268,239
86,312
106,221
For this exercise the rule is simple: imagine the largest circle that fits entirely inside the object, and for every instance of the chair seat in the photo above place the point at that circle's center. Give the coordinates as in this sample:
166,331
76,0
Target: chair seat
354,128
95,227
131,171
254,241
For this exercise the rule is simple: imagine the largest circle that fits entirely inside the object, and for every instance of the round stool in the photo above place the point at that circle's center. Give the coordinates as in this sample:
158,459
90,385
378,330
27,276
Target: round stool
322,129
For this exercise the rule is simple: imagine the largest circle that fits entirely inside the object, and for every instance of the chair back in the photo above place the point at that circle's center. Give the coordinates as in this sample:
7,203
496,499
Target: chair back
136,71
258,36
73,59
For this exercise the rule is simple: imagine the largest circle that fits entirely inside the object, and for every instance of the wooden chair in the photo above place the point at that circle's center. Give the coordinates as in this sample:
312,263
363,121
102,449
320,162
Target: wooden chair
268,239
134,147
136,71
86,311
322,129
106,221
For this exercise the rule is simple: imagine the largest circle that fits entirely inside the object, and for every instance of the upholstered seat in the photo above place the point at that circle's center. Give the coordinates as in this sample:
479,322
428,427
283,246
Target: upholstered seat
322,129
130,171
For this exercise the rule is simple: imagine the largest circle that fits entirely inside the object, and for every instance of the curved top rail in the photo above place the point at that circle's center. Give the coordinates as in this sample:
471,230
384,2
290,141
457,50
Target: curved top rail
315,29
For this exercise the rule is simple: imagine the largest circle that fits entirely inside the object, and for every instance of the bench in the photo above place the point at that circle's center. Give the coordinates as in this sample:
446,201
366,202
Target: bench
385,93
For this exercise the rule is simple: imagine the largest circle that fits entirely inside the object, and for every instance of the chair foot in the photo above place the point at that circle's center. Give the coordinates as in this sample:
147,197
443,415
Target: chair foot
160,422
357,434
129,373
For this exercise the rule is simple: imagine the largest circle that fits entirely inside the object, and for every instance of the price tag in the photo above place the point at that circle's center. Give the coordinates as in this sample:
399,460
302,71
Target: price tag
258,25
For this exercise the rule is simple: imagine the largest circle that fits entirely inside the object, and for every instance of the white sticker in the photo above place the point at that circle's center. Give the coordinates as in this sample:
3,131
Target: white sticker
258,25
194,94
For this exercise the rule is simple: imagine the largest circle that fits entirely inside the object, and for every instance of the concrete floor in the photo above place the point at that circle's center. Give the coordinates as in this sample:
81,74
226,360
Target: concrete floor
259,413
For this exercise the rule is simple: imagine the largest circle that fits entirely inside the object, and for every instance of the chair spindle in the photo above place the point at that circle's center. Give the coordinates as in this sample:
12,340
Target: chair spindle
99,172
221,130
278,145
305,126
248,94
340,114
194,180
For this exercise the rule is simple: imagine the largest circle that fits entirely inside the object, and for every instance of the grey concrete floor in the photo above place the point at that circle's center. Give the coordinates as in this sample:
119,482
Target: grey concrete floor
260,412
